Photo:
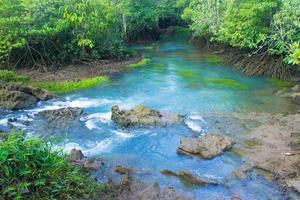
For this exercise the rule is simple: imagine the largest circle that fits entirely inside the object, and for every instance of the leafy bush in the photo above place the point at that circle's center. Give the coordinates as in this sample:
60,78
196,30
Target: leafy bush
6,75
31,169
70,86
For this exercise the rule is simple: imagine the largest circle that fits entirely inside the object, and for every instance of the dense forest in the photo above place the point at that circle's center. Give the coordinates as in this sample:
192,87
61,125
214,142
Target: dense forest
50,32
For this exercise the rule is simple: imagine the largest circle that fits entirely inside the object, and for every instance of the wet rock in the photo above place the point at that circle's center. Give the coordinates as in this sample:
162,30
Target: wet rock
206,147
141,116
16,96
295,97
187,178
61,117
132,189
76,156
122,170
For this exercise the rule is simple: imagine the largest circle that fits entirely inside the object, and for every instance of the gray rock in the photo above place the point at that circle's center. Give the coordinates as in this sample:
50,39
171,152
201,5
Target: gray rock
61,117
295,97
16,96
122,170
76,156
296,88
207,147
141,116
187,178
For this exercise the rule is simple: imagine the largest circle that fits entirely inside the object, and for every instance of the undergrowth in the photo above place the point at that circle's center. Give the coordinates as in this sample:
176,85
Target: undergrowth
31,169
11,76
71,86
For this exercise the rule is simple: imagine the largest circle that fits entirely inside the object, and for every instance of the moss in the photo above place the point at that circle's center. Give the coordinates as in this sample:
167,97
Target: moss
251,143
237,150
187,74
281,83
11,76
143,62
71,86
211,58
228,83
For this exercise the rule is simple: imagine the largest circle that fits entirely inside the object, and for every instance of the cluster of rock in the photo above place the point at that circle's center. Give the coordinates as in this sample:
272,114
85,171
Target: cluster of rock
141,116
19,96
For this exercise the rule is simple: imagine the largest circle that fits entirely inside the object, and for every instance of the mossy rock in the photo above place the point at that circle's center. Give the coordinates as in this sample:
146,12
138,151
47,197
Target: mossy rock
252,143
142,63
227,83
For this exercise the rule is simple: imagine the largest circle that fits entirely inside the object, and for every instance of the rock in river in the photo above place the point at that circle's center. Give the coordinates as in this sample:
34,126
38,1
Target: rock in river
207,147
142,116
295,97
19,96
77,157
187,178
61,117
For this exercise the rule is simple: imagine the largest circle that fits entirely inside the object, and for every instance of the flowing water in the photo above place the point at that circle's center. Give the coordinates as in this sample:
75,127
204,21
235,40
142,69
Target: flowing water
177,80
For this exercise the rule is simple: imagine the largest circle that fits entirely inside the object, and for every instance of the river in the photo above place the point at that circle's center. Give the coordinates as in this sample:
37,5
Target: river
178,79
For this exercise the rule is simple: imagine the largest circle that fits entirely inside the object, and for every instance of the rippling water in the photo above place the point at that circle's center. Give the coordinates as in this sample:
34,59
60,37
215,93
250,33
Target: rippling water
179,80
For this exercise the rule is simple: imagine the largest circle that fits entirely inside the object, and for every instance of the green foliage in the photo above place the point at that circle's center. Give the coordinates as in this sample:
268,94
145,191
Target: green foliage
31,169
259,26
281,83
71,86
7,76
141,63
227,83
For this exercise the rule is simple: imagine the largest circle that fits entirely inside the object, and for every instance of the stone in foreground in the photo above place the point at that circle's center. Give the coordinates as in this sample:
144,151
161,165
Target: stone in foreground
142,116
77,157
14,96
207,147
187,178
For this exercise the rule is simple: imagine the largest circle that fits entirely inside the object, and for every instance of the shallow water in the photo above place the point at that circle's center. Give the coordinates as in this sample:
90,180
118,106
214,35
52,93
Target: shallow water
179,80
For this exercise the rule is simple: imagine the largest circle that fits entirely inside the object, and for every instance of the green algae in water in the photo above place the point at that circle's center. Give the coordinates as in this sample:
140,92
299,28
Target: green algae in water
237,150
159,68
251,143
194,85
188,74
228,83
211,58
71,86
143,62
281,83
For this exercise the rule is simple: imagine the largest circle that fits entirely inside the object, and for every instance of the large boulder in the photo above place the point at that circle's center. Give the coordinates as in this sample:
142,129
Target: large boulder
187,178
77,157
207,147
61,117
141,116
16,96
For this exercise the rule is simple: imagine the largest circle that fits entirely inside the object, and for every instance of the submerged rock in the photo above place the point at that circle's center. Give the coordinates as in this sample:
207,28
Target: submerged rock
61,117
77,157
122,170
206,147
18,96
141,116
187,178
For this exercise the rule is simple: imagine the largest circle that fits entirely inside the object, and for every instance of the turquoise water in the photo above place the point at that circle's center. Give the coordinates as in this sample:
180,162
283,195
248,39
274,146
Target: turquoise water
178,80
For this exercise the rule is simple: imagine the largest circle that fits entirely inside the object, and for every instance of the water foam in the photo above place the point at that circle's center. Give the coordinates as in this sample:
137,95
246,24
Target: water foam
192,125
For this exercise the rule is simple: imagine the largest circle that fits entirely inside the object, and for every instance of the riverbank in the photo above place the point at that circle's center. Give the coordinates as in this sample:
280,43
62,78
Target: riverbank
78,71
250,63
